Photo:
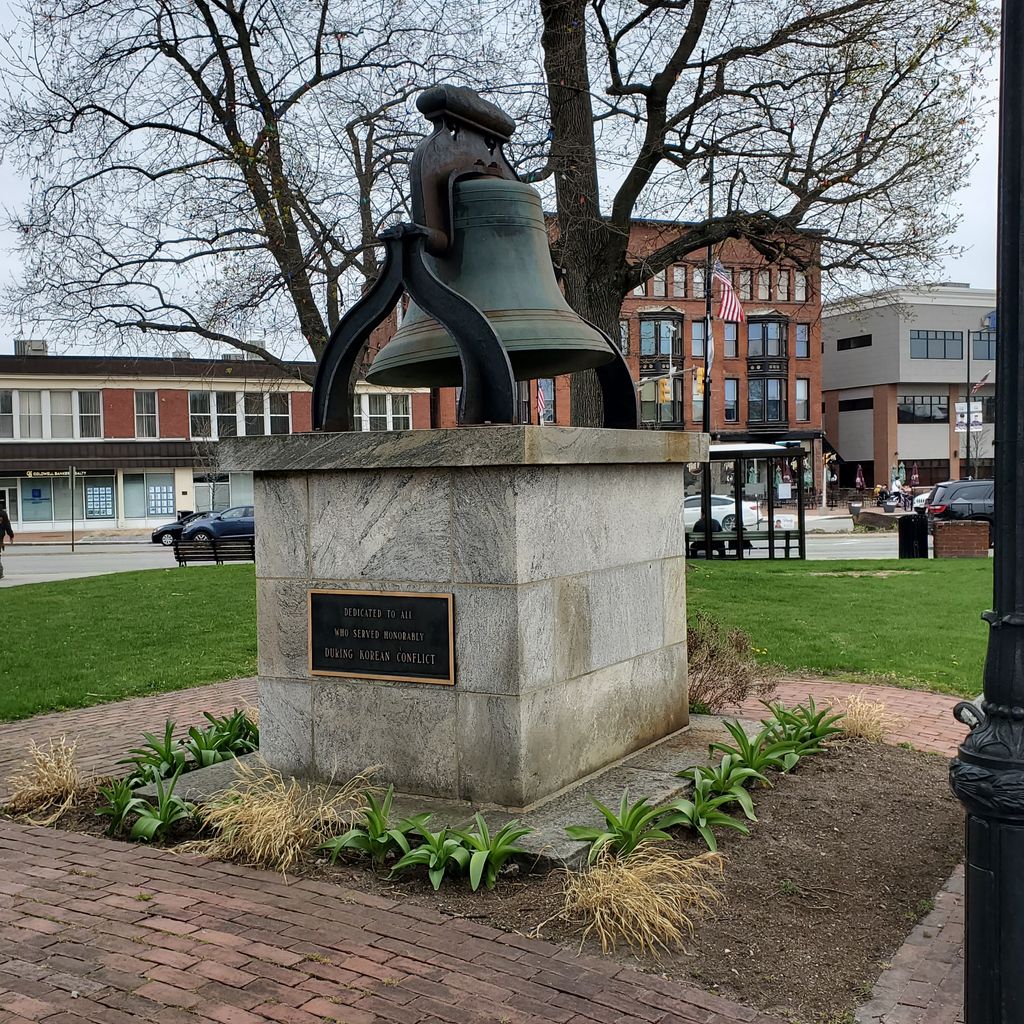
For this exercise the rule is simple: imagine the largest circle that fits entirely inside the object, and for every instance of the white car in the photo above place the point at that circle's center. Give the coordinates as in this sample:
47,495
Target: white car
723,508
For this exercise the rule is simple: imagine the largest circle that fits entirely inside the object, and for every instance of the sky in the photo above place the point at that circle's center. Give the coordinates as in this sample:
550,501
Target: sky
976,234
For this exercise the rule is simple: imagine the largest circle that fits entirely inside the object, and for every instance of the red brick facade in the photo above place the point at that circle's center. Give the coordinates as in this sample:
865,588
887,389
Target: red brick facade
118,412
172,413
302,412
961,539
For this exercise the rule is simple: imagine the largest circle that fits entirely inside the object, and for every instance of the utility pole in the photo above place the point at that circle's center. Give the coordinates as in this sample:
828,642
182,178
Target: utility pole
705,502
967,397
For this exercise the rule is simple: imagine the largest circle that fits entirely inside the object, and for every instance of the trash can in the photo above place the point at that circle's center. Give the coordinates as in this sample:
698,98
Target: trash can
913,537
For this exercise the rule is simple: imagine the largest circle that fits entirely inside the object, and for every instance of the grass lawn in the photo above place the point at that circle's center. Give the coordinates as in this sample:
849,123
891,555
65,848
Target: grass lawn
80,642
905,624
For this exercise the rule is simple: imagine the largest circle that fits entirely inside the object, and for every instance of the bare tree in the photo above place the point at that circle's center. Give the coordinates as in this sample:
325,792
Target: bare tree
851,117
213,169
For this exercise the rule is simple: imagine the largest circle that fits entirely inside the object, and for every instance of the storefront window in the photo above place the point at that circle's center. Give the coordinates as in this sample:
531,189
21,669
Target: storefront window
212,492
146,494
36,500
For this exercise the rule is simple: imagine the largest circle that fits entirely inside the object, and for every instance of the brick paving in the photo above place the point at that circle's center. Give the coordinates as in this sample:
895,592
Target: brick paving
107,731
113,933
925,982
924,720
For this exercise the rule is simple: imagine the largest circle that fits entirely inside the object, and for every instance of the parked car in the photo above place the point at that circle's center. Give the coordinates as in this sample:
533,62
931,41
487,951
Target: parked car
922,501
723,508
170,532
962,499
232,522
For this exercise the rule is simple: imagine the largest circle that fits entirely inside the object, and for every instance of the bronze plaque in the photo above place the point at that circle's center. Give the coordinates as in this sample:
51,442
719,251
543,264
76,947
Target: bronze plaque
373,634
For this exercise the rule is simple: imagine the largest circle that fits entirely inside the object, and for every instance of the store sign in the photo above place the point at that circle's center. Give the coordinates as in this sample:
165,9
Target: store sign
53,472
977,423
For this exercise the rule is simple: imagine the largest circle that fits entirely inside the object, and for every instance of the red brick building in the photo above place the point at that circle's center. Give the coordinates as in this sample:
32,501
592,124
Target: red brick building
766,379
141,433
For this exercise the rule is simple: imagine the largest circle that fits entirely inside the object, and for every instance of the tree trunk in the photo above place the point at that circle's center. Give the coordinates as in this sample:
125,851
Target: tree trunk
590,253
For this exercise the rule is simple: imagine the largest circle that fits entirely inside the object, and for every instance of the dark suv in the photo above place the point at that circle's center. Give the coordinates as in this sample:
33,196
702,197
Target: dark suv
962,499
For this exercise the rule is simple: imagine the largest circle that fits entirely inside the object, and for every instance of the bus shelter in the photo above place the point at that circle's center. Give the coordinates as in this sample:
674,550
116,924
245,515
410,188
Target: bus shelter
757,502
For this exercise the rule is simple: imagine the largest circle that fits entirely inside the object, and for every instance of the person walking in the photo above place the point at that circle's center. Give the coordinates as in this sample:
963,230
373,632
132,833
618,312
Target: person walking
5,533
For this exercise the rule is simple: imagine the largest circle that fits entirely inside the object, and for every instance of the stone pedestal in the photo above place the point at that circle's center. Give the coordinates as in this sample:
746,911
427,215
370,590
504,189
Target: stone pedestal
563,549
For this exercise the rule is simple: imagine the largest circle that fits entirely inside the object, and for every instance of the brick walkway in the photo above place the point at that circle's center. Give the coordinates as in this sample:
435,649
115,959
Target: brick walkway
111,933
924,720
95,930
107,731
925,983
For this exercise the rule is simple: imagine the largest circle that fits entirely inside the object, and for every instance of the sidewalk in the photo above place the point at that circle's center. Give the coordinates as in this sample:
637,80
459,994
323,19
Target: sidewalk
106,732
925,720
93,930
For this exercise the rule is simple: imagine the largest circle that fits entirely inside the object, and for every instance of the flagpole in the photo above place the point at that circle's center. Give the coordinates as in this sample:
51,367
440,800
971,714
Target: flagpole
968,435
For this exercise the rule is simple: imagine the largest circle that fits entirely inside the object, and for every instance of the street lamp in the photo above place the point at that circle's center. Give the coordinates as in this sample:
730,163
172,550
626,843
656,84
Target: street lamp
988,773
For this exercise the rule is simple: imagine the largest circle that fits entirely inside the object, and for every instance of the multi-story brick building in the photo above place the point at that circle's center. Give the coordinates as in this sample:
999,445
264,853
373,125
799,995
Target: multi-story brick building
141,433
766,380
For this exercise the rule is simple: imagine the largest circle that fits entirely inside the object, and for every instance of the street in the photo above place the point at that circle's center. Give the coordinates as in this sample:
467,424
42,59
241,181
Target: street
41,563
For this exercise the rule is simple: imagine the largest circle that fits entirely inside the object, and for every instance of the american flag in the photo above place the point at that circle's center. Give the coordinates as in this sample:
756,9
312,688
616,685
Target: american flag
542,404
981,383
729,307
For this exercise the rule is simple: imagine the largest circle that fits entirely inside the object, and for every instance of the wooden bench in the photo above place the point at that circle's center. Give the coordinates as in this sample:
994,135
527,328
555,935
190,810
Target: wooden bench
219,550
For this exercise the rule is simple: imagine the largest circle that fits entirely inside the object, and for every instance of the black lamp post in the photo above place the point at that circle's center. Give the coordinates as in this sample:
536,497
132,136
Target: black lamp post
988,773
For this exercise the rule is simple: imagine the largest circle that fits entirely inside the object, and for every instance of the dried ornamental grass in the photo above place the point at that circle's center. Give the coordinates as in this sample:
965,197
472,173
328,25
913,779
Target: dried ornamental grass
722,668
266,820
49,782
646,900
866,719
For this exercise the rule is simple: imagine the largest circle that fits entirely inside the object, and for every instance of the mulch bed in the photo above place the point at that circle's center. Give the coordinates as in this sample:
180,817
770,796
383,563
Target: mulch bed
845,857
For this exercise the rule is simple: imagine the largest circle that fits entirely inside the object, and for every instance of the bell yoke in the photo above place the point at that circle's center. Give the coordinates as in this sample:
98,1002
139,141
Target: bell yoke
486,307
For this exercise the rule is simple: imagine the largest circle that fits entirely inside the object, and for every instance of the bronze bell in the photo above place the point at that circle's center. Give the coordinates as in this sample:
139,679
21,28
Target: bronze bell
500,261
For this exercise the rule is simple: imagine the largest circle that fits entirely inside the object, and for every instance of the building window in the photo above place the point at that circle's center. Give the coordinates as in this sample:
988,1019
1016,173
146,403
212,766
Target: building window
732,400
763,284
523,392
394,412
859,341
655,411
922,409
803,399
746,284
62,414
984,345
803,341
697,339
212,491
856,404
988,408
658,289
6,414
679,281
30,413
782,285
199,424
152,494
252,404
660,337
698,282
800,293
624,336
766,338
227,413
936,344
546,387
640,290
280,418
145,414
90,418
766,400
731,340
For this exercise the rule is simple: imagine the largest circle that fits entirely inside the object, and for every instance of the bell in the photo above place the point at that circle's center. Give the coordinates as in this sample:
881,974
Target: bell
499,260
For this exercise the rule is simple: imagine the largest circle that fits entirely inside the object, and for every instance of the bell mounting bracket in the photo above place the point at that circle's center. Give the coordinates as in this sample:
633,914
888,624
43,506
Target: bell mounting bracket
467,140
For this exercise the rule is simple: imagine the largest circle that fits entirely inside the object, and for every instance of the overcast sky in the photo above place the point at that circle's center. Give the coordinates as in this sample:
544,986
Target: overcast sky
976,234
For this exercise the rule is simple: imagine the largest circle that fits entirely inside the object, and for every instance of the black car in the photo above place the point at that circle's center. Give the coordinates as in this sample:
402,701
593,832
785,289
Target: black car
170,532
962,499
